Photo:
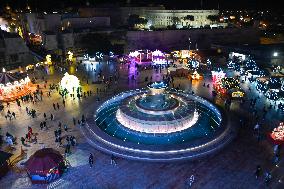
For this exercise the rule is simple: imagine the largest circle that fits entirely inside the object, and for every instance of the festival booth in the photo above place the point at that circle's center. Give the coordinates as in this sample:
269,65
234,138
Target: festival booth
45,166
141,56
227,86
4,163
158,57
14,85
277,134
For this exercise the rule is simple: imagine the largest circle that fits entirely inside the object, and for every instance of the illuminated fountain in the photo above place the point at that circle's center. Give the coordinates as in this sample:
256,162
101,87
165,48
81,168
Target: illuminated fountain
158,124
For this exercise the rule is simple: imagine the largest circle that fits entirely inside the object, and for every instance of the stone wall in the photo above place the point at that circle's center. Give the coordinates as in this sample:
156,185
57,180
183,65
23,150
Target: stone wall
179,39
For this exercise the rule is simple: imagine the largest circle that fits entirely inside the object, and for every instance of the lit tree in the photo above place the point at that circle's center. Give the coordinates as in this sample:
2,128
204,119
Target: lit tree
213,18
175,20
189,17
134,20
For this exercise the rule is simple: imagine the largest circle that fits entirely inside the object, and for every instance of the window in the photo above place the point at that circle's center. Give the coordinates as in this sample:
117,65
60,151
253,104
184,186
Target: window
14,57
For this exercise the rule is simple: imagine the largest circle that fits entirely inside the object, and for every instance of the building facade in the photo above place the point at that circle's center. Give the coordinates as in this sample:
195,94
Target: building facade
13,51
164,18
85,22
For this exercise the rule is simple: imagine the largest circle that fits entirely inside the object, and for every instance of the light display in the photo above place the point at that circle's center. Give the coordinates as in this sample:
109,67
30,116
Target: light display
70,56
251,65
195,75
193,63
272,94
242,57
158,57
185,54
208,62
99,55
134,54
278,133
261,86
229,83
48,59
238,94
274,83
231,64
111,54
281,106
13,87
69,83
217,76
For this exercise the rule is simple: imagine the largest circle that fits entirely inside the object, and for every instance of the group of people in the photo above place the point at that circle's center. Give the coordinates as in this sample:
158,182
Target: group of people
91,160
267,174
10,115
30,137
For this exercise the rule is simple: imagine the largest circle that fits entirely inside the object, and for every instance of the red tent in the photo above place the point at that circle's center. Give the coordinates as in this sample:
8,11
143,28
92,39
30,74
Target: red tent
44,165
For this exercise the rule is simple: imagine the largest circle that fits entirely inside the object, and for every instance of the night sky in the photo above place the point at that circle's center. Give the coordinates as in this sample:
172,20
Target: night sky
170,4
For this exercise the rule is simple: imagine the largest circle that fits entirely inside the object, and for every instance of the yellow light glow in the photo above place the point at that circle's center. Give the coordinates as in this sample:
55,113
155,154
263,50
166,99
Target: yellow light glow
70,83
195,75
20,32
48,59
70,56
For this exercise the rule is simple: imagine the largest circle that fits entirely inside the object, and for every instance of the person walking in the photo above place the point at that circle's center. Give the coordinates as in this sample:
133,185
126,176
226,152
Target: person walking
91,160
14,115
112,161
57,105
74,121
257,171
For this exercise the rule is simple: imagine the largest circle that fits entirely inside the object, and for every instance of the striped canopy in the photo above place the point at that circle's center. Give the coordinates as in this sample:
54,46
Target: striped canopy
10,78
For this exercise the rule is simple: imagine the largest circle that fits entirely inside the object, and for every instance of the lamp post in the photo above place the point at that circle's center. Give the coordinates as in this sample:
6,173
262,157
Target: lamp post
189,43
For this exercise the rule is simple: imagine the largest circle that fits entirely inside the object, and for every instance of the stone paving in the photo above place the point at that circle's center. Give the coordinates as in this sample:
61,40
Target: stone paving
232,167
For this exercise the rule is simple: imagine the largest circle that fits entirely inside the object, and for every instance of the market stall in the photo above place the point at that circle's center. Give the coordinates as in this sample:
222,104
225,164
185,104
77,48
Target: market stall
14,85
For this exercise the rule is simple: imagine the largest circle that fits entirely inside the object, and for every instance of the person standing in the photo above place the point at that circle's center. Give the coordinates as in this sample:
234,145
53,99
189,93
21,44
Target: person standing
54,106
74,121
91,160
57,105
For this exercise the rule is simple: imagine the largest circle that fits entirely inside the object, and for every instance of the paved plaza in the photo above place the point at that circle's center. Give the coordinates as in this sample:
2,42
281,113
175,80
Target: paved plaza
231,167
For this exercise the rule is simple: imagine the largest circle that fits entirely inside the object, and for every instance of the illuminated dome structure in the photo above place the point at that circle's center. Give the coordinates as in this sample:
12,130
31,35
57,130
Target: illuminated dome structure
158,124
13,86
69,83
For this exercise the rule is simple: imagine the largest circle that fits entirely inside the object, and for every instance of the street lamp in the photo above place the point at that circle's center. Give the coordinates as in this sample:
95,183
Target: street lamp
275,54
189,43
